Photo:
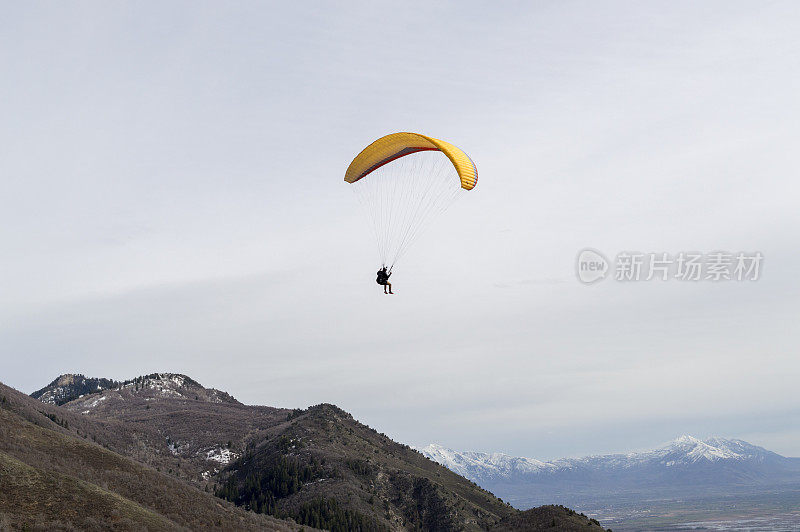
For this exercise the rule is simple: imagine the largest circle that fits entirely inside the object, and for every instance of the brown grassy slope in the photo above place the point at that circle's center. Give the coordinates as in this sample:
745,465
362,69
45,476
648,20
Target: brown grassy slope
133,442
170,429
55,451
36,499
548,518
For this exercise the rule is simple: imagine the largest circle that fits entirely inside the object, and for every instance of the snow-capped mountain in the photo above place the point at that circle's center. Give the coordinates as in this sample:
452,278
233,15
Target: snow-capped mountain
476,465
682,451
686,463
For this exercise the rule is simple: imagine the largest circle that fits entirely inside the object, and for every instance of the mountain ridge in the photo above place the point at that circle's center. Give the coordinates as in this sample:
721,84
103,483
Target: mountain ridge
71,386
61,470
318,466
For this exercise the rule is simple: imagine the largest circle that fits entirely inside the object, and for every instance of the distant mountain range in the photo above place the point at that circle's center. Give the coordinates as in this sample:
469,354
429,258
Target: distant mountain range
686,465
162,452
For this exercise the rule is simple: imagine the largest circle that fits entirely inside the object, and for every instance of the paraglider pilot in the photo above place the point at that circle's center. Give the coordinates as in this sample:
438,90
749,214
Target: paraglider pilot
383,278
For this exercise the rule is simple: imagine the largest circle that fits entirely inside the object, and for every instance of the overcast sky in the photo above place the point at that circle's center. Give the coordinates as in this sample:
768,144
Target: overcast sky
173,200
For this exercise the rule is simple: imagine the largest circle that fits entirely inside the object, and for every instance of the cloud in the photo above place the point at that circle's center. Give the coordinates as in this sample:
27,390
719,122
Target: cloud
173,200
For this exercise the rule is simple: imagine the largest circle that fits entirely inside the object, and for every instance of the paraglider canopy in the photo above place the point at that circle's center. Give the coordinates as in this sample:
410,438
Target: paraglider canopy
387,149
404,180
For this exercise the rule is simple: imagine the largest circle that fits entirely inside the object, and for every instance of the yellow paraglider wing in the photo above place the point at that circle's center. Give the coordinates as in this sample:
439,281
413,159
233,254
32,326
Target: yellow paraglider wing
387,149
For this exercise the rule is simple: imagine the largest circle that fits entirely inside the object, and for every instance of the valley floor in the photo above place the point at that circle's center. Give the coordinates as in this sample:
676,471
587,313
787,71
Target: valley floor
773,511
